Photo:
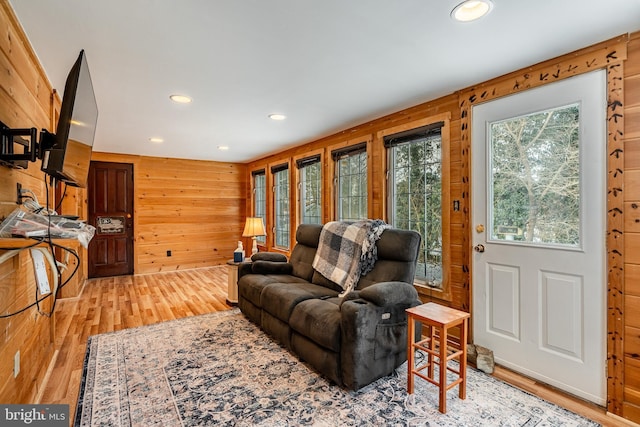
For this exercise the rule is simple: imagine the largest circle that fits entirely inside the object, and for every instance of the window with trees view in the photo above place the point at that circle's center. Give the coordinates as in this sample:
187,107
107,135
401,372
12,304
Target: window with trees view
351,182
281,205
310,190
535,177
415,193
260,199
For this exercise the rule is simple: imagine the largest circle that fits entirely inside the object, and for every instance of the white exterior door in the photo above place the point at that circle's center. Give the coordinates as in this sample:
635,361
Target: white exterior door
538,219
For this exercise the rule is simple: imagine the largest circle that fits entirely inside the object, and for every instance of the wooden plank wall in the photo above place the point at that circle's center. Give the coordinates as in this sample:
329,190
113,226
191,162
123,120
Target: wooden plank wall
630,294
193,208
26,100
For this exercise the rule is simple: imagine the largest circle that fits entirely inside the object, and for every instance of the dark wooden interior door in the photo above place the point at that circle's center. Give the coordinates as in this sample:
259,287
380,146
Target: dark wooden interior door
110,199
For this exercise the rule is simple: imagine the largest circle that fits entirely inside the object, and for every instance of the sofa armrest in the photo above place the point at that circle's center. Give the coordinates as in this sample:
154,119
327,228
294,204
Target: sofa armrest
243,269
386,294
374,332
353,295
271,267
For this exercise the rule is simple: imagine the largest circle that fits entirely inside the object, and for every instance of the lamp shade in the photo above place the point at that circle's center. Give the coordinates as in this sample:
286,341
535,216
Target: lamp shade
254,227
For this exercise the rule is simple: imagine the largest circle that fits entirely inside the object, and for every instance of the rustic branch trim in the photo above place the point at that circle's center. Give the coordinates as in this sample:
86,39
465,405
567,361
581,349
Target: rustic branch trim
615,238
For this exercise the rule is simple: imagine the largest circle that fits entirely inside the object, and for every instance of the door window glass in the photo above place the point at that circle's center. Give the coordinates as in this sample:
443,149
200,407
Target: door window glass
535,178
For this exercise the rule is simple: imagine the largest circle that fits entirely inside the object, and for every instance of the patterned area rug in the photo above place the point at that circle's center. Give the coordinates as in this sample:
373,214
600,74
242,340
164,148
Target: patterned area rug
220,369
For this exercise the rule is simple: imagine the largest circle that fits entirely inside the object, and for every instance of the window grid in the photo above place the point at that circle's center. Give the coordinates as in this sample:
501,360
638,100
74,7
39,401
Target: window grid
311,194
260,201
415,191
352,187
281,204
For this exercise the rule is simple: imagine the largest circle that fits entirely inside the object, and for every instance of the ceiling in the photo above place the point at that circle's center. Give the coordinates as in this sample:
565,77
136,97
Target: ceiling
326,64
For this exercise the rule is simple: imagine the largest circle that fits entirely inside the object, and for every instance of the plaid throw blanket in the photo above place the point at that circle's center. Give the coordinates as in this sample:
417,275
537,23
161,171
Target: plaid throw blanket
347,251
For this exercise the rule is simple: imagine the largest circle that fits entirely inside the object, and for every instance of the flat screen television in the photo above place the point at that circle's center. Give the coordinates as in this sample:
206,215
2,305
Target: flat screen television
67,154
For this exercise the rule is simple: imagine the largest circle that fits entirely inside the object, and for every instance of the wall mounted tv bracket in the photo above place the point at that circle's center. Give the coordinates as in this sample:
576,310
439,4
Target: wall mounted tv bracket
20,146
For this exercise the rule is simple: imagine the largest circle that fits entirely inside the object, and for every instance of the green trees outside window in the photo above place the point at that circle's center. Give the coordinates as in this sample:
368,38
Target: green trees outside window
351,186
535,177
281,206
311,192
415,193
260,199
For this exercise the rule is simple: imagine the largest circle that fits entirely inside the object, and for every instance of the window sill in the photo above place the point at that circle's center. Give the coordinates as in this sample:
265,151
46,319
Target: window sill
280,250
431,293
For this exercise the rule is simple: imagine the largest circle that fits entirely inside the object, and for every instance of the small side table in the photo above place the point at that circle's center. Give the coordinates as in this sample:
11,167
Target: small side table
232,282
438,320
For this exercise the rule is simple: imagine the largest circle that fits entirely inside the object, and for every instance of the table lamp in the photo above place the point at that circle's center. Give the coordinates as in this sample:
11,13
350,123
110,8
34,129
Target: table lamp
252,228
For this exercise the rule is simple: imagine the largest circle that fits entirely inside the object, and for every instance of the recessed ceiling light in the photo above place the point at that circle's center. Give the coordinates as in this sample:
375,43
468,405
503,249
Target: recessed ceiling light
277,116
181,99
223,147
156,140
470,10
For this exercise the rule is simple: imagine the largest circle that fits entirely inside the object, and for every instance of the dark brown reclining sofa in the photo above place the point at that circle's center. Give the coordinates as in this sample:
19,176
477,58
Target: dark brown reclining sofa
352,340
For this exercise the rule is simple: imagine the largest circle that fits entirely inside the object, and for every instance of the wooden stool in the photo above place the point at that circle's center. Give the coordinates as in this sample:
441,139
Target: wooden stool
438,319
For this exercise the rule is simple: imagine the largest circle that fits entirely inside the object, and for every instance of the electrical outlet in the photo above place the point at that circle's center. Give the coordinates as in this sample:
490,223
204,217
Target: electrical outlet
168,253
19,193
16,364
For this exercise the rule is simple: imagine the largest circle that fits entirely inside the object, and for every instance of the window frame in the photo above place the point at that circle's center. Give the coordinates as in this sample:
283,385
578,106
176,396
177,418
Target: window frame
334,176
448,209
273,169
261,171
298,199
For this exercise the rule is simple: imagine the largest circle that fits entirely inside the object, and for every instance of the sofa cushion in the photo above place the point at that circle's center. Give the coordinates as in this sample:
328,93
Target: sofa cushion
325,361
286,278
397,253
398,245
250,287
253,312
308,234
280,299
276,328
388,271
301,259
319,321
307,237
271,267
319,279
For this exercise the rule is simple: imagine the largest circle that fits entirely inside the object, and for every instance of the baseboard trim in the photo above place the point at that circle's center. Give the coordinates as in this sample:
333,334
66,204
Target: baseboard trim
45,379
622,420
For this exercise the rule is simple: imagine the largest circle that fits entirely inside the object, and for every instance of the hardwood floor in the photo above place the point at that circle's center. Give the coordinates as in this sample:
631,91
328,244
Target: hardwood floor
115,303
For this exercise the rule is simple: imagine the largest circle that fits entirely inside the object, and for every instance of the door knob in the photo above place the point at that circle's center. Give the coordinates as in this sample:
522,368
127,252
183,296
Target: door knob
478,248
